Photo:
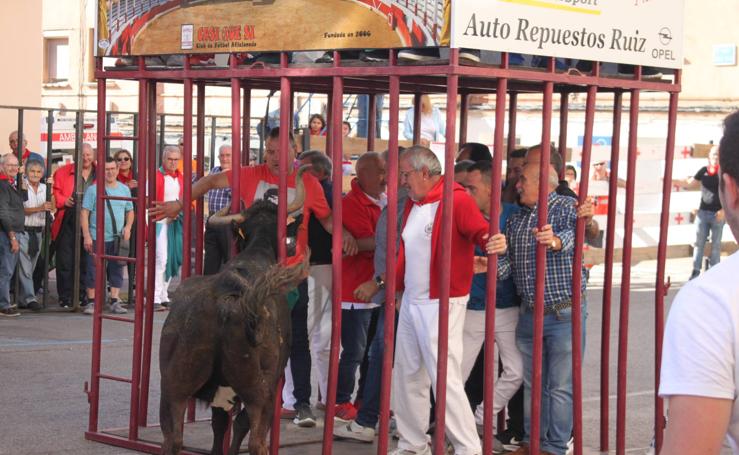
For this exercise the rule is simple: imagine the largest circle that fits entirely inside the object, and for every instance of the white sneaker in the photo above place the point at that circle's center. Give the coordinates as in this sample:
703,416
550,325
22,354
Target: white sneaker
90,309
353,430
425,451
117,308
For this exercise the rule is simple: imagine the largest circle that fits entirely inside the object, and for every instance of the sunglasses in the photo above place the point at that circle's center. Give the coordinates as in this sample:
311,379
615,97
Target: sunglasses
123,158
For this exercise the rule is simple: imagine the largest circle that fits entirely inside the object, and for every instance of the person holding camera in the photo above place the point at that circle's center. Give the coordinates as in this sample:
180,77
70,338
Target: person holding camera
119,217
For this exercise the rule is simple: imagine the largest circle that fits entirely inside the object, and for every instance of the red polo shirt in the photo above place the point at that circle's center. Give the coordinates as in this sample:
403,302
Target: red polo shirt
360,215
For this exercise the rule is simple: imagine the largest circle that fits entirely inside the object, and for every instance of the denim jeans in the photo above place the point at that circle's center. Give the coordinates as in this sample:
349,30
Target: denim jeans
705,223
7,267
556,377
354,326
27,263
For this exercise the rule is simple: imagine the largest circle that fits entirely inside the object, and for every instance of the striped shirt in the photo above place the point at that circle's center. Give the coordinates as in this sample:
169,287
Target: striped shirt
35,199
520,259
219,197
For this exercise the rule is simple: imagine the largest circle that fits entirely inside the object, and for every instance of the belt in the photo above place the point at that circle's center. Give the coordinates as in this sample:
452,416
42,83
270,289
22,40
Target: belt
33,228
554,308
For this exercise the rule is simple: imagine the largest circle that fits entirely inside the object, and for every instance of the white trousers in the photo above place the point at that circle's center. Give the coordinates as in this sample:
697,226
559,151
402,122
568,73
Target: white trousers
508,383
161,286
319,331
414,372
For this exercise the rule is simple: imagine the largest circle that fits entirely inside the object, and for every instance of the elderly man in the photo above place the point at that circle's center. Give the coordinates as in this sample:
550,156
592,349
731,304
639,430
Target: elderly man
699,360
27,154
558,235
11,224
62,230
217,241
361,207
419,277
169,230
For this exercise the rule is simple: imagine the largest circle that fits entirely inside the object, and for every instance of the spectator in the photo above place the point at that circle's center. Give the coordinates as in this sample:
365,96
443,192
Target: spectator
558,235
710,216
169,230
62,230
474,151
699,358
118,222
361,210
260,183
433,124
125,169
418,274
346,128
11,221
320,275
35,209
217,239
27,154
478,183
600,171
514,168
571,177
460,170
317,125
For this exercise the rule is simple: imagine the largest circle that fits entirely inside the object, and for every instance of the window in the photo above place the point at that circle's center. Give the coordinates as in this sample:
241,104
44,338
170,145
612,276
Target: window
56,66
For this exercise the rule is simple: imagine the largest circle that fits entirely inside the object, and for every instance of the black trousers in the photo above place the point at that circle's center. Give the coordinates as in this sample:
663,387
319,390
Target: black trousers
65,266
300,362
217,245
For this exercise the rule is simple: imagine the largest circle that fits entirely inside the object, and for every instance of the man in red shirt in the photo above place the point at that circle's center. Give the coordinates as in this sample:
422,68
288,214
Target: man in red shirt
419,277
361,209
260,182
62,230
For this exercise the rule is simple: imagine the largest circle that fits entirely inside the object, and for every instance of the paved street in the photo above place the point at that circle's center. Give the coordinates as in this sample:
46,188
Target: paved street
45,362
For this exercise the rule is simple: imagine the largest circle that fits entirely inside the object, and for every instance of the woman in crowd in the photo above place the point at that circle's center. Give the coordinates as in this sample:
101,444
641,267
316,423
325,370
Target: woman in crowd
433,124
125,168
317,125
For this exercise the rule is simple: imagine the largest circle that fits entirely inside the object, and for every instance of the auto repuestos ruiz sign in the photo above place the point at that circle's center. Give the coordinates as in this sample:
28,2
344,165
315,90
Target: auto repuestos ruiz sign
640,32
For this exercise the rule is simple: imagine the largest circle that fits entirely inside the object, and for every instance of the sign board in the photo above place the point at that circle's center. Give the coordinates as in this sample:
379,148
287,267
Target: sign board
158,27
724,54
64,131
640,32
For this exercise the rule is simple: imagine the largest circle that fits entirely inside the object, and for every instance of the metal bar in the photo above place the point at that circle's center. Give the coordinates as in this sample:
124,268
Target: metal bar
113,378
564,109
199,204
134,235
446,257
605,334
108,121
213,126
246,128
78,194
107,197
371,121
329,150
187,178
162,139
131,444
463,114
492,279
512,106
118,258
662,287
121,138
47,217
336,113
390,261
541,251
110,317
623,320
577,273
417,118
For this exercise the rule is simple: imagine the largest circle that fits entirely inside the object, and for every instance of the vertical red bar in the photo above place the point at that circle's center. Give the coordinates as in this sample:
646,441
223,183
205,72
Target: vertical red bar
417,118
463,113
577,274
235,144
661,286
541,251
329,137
97,324
246,125
564,110
492,279
390,282
446,256
336,110
187,177
605,334
138,325
199,205
623,320
512,106
371,121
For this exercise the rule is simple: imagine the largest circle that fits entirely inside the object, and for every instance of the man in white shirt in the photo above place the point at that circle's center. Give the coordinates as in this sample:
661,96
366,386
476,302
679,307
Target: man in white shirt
700,357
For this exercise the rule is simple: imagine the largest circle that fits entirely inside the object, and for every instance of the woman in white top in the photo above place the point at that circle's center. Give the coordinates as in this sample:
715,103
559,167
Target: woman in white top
433,124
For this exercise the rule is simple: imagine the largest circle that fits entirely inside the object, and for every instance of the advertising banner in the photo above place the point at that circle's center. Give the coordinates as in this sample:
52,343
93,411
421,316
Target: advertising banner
161,27
640,32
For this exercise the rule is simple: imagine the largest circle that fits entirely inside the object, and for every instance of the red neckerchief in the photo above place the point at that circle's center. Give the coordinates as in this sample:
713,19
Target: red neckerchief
124,178
712,169
174,174
433,195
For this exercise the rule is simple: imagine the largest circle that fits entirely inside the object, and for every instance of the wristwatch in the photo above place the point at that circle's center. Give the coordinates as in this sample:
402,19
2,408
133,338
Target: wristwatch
380,282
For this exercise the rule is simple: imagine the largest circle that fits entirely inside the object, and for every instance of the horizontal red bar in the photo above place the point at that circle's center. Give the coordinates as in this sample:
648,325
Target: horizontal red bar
118,258
119,137
116,318
114,378
119,198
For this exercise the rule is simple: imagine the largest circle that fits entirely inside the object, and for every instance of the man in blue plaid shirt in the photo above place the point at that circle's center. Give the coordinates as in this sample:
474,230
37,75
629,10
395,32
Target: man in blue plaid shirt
217,241
558,235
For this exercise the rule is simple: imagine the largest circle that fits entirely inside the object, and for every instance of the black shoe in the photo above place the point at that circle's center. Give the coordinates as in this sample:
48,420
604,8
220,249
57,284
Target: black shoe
304,416
9,312
647,72
65,304
584,66
374,55
327,57
34,305
510,437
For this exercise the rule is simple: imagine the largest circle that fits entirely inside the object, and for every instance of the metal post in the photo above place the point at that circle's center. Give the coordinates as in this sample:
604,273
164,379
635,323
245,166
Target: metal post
47,218
162,138
246,127
512,106
199,205
564,109
371,121
605,335
78,194
463,114
135,192
417,118
213,135
661,286
187,193
623,322
446,256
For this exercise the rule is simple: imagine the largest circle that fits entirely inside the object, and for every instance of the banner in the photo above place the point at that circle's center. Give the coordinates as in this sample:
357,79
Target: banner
160,27
639,32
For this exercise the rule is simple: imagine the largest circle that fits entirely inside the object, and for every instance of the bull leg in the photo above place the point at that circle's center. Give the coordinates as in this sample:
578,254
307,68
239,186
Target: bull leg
219,423
260,425
240,429
172,417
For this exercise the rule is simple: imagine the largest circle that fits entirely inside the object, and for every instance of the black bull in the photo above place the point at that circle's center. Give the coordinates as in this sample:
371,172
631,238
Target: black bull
232,330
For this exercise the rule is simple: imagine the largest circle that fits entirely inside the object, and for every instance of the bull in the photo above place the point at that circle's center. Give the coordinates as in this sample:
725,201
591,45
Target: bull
226,339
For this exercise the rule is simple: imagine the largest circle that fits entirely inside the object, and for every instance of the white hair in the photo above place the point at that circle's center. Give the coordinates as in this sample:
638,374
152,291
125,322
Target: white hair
4,158
420,157
223,146
168,149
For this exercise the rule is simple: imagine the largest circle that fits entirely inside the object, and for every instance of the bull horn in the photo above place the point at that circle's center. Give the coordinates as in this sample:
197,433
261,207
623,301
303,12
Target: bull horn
222,218
299,199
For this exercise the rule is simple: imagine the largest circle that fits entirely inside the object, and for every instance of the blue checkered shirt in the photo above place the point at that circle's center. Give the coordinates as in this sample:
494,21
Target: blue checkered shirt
520,259
220,197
